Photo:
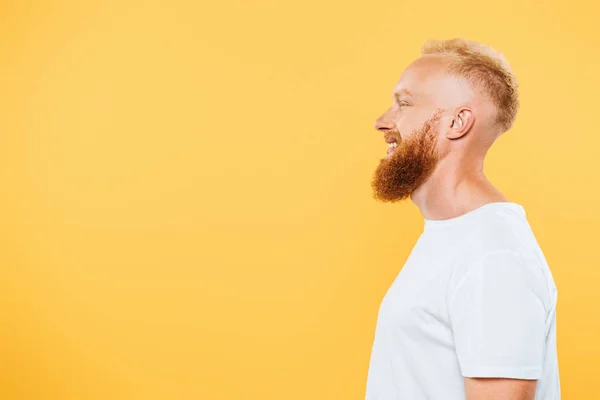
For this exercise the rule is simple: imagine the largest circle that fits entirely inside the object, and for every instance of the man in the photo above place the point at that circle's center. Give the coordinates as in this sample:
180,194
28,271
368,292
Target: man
471,315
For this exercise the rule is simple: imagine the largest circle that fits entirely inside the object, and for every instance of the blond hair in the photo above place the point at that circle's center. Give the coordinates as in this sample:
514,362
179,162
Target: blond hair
486,69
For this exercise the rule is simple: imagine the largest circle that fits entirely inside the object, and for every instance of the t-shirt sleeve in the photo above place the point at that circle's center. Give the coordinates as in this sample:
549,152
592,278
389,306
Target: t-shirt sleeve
498,315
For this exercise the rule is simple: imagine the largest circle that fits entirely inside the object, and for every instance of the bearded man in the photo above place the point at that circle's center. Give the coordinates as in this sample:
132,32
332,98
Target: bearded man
472,313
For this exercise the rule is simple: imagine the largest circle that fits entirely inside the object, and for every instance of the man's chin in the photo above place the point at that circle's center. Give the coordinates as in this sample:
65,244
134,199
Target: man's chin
393,180
389,190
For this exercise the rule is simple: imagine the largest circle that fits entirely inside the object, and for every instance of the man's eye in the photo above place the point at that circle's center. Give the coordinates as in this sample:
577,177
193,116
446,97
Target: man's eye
402,104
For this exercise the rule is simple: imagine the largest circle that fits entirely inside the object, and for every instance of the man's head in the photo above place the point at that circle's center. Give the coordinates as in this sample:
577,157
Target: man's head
450,104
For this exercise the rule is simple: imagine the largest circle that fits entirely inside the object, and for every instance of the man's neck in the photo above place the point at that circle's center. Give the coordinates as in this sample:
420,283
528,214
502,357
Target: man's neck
453,190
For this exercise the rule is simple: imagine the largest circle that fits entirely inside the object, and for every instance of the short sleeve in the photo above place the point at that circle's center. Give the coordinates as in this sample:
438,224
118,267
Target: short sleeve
498,315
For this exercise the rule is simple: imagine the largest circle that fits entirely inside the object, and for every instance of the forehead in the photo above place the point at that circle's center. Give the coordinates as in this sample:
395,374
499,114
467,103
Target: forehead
423,77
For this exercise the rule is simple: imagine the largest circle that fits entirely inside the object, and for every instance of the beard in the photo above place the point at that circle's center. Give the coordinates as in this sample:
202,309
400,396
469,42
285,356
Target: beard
409,166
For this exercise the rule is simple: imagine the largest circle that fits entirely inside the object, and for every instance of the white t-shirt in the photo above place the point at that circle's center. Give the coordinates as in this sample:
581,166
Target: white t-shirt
475,298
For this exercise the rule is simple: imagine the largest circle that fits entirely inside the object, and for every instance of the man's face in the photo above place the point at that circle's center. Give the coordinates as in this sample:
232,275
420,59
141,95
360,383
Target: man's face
411,125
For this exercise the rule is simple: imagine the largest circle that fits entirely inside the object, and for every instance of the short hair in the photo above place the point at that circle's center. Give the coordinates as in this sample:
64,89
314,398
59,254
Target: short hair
486,69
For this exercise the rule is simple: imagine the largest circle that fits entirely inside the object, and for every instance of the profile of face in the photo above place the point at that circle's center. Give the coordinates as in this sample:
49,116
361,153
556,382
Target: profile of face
414,126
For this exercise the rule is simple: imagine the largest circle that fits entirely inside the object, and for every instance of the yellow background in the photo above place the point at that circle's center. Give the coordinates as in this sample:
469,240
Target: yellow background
186,208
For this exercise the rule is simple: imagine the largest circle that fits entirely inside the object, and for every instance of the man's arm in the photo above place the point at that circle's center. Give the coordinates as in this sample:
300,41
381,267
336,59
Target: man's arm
498,314
499,389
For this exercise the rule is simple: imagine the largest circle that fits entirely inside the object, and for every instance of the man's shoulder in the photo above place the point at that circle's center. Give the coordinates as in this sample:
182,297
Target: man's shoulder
501,232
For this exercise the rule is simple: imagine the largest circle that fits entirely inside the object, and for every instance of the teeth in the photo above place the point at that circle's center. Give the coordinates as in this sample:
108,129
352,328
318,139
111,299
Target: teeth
390,145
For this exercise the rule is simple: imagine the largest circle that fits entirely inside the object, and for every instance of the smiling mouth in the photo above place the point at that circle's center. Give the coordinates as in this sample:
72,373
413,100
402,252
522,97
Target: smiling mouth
392,145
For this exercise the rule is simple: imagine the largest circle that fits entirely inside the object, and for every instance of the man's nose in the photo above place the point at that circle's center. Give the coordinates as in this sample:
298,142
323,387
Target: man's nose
384,123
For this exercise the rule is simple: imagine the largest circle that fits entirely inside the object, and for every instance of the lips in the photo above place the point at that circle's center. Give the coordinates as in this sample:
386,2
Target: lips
392,144
391,147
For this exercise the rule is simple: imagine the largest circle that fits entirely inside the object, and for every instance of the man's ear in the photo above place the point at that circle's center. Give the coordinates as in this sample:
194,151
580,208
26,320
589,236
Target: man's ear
461,123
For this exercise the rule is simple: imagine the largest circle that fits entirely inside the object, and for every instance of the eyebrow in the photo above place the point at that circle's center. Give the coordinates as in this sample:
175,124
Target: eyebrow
402,91
397,94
